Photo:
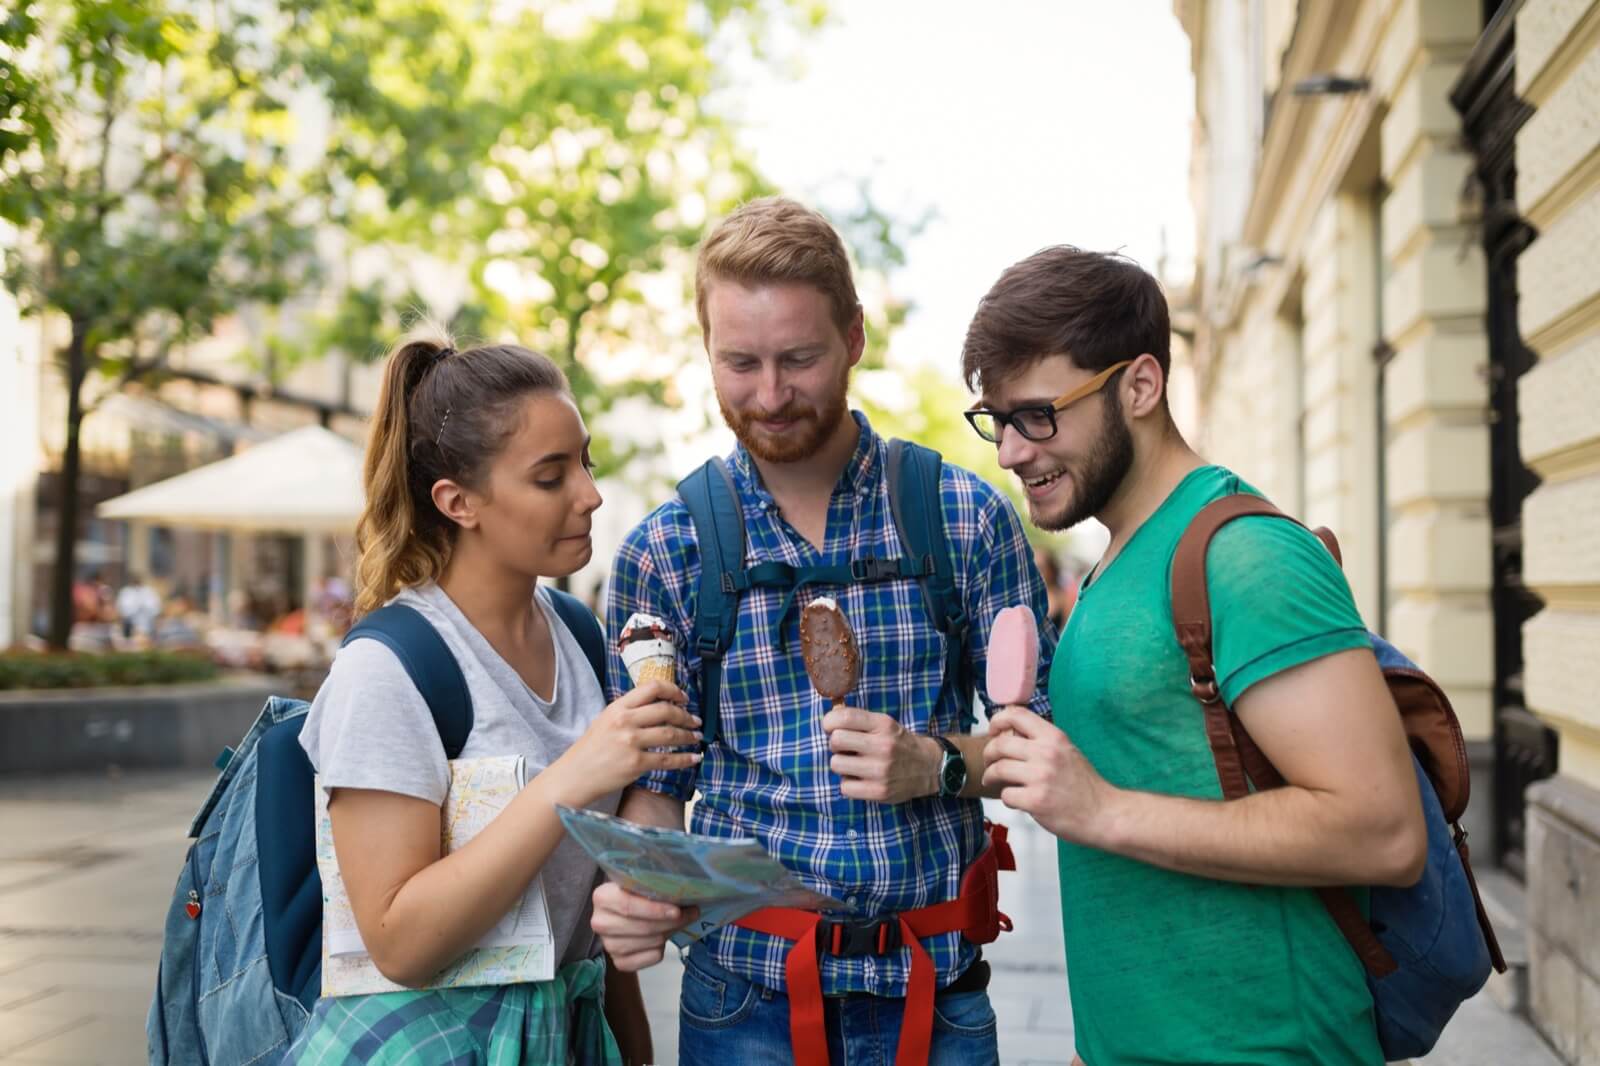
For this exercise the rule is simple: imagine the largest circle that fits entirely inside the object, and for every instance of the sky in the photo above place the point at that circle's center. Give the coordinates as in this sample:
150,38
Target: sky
1019,123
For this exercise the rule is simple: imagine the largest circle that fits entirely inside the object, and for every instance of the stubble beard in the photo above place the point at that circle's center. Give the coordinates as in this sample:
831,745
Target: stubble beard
1100,475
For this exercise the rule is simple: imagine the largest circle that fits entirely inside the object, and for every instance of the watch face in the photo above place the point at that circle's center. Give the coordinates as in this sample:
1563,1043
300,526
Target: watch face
953,774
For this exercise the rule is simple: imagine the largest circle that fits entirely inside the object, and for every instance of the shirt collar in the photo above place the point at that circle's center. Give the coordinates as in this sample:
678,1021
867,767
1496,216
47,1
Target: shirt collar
859,475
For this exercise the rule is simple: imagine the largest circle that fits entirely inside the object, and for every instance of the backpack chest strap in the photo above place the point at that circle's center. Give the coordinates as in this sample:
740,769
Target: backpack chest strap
791,579
717,513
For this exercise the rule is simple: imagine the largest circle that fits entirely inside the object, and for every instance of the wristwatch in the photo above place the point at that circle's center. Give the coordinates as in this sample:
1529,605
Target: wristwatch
952,771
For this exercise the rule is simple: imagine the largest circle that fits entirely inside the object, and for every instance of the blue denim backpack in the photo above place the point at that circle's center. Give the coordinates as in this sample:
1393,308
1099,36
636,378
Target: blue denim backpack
1426,948
241,959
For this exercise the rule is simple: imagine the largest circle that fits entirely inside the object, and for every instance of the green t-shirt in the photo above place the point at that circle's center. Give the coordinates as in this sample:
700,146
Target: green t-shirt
1164,967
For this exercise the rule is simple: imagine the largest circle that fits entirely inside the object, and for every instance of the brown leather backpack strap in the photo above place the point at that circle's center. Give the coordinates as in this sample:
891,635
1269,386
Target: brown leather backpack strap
1255,761
1330,542
1358,931
1236,754
1496,958
1191,619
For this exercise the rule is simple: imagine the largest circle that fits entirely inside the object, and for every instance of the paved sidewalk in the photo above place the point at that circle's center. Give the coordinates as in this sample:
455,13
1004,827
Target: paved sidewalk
87,866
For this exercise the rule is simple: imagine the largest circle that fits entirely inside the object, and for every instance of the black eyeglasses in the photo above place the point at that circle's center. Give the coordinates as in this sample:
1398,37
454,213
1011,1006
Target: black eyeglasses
1037,422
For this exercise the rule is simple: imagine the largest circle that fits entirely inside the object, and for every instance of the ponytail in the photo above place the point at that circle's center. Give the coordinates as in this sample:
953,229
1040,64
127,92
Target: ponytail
441,414
396,544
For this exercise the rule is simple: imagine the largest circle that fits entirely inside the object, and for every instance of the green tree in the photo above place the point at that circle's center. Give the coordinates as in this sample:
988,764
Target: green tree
558,162
160,175
143,166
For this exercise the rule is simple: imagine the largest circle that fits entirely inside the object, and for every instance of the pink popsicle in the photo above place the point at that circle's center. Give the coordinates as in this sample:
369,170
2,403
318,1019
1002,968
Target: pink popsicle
1013,656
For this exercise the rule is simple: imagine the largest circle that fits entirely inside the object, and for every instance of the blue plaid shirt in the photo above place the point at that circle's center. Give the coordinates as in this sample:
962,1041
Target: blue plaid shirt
767,774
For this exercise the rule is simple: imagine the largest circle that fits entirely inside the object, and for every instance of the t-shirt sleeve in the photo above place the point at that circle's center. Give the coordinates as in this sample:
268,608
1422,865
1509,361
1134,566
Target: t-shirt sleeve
1278,600
369,727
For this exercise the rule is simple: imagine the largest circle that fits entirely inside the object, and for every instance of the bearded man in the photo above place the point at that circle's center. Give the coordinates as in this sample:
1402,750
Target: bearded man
875,802
1193,934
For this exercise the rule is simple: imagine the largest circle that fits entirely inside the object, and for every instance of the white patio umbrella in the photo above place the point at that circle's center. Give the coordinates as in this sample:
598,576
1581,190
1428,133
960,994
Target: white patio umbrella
306,481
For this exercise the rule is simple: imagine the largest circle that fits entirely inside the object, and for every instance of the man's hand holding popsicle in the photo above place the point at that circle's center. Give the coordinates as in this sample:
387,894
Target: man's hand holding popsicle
1029,763
874,755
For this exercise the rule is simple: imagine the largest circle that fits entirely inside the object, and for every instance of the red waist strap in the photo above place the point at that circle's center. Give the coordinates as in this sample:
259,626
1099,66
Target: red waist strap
972,911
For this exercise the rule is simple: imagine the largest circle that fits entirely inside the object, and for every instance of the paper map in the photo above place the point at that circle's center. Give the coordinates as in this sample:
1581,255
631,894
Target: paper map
518,948
725,878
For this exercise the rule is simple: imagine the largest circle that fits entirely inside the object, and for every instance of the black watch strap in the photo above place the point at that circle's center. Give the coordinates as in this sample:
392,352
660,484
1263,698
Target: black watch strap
952,770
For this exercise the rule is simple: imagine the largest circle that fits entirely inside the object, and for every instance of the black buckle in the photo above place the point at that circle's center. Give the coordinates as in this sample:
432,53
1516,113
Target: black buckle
873,568
708,647
956,628
848,938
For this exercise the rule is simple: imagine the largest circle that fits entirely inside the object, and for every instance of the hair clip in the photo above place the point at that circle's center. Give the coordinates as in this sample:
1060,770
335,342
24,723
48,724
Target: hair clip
437,437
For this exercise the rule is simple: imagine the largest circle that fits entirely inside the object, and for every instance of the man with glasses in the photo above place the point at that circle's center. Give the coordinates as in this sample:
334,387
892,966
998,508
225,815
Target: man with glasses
1188,937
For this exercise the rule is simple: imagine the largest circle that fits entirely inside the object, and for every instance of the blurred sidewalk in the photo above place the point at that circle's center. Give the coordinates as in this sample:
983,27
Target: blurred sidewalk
88,863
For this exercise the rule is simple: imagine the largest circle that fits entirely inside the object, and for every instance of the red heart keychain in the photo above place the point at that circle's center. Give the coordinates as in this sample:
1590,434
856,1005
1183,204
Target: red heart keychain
192,908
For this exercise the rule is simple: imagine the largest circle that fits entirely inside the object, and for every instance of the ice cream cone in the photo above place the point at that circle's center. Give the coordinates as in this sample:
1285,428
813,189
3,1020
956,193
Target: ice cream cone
654,668
648,650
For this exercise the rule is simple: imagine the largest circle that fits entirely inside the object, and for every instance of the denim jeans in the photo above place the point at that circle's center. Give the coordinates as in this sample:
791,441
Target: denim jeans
724,1020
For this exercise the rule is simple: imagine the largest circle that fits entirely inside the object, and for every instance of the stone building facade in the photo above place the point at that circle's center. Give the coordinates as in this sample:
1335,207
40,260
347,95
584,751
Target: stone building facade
1397,307
1557,70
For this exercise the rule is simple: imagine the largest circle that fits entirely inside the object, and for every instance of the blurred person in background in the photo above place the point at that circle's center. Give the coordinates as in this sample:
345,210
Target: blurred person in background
1061,586
138,608
177,627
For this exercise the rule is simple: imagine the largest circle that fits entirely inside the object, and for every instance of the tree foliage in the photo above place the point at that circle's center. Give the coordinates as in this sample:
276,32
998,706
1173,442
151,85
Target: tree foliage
145,170
559,161
165,164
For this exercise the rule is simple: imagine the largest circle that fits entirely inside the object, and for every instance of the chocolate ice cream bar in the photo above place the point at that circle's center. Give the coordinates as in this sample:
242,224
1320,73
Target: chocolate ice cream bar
828,647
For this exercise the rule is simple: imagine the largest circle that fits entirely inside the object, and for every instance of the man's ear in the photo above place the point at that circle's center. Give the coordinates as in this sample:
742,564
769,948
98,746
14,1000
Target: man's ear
1144,386
855,338
455,503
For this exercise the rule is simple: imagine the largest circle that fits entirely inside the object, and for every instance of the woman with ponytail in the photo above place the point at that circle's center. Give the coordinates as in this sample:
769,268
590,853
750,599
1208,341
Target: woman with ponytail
478,484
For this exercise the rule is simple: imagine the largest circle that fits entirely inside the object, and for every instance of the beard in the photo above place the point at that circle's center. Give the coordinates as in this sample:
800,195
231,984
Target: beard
812,427
1098,477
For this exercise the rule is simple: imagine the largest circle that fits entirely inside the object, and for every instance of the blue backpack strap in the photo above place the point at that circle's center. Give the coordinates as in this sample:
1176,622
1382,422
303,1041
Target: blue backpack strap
577,617
430,664
713,503
913,473
291,890
286,861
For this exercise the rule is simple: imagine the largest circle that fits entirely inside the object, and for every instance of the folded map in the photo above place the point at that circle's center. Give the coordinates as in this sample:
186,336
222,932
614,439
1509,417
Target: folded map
725,878
517,948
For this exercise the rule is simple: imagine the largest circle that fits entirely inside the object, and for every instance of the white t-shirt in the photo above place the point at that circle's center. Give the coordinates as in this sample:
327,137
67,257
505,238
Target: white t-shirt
369,727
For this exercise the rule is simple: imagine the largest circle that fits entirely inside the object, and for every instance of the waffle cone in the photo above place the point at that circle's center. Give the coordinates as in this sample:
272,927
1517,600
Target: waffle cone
655,668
